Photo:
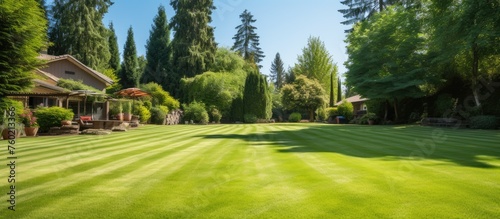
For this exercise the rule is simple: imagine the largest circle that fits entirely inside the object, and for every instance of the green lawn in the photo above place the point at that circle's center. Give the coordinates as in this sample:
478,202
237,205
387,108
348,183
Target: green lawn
259,171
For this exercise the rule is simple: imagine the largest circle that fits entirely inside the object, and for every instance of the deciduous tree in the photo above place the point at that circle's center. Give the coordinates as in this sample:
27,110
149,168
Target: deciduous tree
303,94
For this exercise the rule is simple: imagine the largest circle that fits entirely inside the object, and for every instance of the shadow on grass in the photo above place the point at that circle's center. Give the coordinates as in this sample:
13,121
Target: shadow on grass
387,142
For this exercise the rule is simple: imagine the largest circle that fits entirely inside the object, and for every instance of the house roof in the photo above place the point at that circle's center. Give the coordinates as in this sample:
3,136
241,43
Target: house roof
96,74
48,75
353,99
41,83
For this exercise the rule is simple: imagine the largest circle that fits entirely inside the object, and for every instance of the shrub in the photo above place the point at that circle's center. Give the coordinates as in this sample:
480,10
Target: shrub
144,114
295,117
52,116
346,109
6,103
127,106
321,114
483,122
115,108
364,119
158,114
147,104
250,118
216,115
196,112
332,111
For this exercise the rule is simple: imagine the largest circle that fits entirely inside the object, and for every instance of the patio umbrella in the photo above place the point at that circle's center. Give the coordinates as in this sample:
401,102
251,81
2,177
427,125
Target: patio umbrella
132,92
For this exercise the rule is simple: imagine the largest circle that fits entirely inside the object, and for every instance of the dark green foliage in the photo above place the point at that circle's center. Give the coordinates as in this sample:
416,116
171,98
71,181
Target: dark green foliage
379,64
303,94
256,96
295,117
193,46
77,29
483,122
158,52
278,73
52,117
443,104
22,35
114,61
346,110
158,114
73,85
362,10
115,108
129,71
159,96
195,111
237,109
250,118
246,41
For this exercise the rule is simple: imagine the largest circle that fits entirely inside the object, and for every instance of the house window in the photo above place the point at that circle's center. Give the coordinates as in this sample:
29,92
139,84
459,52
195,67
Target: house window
69,72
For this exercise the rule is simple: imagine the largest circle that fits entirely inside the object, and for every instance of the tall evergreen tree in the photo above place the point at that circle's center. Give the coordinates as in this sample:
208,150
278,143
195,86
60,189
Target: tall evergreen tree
339,90
278,72
158,52
77,29
193,46
129,74
332,93
256,96
22,36
246,41
114,61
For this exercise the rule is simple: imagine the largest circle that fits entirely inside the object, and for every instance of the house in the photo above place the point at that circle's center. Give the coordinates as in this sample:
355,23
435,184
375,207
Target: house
358,103
47,93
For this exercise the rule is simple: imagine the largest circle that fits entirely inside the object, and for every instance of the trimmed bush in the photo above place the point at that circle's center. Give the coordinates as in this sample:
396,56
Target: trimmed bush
144,114
52,116
196,112
158,114
346,109
295,117
483,122
250,118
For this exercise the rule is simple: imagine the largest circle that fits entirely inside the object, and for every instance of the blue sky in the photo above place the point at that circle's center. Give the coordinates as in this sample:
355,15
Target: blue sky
283,25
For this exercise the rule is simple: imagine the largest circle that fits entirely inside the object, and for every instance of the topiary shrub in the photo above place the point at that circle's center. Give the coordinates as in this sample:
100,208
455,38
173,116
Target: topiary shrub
52,116
250,118
483,122
346,109
295,117
196,112
158,114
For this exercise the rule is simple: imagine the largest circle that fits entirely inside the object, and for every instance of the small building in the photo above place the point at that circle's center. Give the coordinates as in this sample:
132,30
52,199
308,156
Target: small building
358,104
47,93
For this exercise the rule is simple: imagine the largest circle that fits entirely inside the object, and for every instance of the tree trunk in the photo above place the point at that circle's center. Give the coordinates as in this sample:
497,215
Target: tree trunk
311,115
396,118
381,5
386,109
475,74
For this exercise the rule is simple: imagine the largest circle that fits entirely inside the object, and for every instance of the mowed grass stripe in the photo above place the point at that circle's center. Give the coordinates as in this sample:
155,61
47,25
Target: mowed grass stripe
134,179
86,167
270,171
99,151
64,142
131,164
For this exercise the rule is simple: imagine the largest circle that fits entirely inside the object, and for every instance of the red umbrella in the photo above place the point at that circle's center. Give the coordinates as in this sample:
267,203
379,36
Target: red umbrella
132,92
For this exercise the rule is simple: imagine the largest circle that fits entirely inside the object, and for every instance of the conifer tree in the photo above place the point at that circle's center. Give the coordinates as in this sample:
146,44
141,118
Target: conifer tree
246,41
158,52
129,74
278,72
114,61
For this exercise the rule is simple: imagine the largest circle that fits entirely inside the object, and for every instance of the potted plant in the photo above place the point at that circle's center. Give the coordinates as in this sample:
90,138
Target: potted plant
127,114
30,124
